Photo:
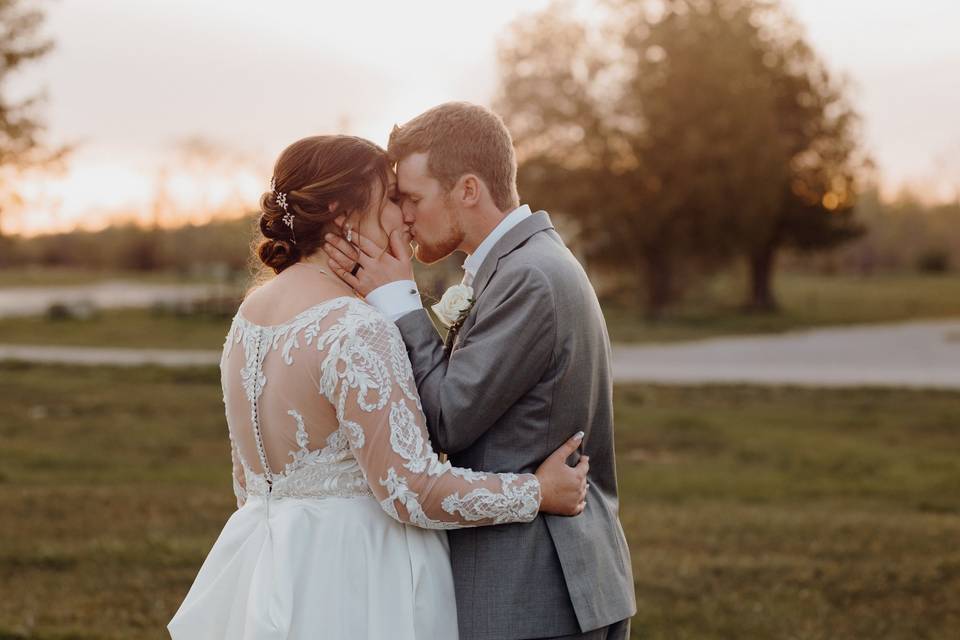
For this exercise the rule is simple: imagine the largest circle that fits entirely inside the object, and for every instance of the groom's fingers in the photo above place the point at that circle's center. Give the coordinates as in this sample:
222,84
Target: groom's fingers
337,260
368,247
399,247
348,278
335,243
337,255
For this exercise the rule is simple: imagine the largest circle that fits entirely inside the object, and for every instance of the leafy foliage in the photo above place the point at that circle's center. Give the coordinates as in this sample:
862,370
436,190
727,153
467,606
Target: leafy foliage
682,135
21,145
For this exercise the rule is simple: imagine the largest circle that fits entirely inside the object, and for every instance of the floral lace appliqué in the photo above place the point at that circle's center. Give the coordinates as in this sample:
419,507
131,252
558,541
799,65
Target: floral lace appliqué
380,446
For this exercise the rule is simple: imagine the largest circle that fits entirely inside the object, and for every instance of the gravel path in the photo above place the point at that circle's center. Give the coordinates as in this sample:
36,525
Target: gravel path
98,356
32,301
917,354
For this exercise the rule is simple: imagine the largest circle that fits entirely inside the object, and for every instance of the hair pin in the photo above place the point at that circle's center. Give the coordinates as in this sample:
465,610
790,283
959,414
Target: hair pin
281,199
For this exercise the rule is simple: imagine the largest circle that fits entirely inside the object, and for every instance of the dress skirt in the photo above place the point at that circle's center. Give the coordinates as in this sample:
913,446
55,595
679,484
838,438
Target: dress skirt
320,568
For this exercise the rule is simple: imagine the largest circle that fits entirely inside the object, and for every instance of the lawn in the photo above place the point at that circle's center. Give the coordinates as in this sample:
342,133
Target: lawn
751,513
808,301
36,276
119,328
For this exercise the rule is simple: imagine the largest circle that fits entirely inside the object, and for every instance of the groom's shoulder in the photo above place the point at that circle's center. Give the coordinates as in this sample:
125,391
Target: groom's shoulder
545,254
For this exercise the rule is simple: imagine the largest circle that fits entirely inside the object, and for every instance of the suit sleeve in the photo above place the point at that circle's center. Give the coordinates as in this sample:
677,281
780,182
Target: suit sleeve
498,360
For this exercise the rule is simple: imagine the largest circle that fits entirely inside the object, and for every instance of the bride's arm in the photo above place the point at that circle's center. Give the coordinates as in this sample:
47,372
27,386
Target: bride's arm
366,375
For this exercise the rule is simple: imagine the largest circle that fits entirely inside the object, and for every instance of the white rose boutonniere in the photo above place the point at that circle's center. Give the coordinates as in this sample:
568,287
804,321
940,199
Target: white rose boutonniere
454,305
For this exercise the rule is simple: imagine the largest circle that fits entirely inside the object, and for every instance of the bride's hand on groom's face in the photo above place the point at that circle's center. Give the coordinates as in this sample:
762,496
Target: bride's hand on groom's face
563,489
377,266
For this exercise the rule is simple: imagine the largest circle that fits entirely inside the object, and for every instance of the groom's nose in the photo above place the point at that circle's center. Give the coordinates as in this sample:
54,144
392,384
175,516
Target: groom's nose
408,215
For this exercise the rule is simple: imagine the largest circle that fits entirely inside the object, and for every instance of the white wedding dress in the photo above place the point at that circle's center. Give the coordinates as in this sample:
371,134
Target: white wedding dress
340,494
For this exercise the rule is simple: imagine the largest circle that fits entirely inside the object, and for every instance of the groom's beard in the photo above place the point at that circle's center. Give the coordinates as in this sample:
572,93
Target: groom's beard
436,251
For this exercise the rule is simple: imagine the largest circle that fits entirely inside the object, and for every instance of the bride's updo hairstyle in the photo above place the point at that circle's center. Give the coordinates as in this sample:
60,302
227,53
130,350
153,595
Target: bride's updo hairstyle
320,177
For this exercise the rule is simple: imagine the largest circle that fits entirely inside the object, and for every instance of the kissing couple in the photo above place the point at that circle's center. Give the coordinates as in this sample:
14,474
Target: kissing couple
340,393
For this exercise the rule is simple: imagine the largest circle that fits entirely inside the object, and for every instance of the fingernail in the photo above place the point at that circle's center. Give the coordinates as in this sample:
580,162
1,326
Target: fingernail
579,435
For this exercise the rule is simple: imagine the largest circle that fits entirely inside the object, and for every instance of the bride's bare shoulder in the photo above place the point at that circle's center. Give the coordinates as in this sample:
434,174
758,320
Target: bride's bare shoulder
291,292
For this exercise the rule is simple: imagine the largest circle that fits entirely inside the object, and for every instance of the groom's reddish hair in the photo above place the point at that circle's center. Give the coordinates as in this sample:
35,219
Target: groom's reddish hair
461,138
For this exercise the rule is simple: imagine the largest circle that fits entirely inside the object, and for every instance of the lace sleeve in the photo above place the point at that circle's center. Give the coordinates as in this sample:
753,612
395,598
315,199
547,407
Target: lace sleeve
239,481
366,375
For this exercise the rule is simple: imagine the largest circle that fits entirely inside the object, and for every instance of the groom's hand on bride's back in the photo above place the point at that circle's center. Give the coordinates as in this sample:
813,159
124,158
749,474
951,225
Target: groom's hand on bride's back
377,266
563,488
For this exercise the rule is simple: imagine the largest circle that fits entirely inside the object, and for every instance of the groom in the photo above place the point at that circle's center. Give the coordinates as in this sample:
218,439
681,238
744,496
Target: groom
526,365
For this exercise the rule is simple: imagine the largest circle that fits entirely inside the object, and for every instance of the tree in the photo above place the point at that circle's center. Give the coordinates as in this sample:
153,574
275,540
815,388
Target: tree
684,133
21,145
819,131
708,136
560,97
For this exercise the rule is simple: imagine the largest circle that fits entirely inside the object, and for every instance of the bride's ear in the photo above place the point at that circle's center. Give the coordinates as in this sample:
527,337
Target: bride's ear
339,220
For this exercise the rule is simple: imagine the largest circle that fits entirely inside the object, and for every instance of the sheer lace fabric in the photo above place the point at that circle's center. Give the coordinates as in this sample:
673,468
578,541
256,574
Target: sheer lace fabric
324,405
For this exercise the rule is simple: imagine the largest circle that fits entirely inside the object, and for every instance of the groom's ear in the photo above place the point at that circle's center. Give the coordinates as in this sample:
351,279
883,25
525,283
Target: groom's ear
471,189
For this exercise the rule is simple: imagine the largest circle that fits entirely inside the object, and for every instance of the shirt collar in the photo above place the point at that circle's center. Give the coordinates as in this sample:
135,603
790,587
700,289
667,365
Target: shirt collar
475,259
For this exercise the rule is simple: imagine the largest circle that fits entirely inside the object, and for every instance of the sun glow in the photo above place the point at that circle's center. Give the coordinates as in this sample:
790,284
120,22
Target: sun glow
258,78
92,196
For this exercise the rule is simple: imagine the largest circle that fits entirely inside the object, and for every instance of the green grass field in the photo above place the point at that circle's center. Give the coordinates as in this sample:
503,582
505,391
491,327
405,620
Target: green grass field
752,513
808,302
36,276
119,328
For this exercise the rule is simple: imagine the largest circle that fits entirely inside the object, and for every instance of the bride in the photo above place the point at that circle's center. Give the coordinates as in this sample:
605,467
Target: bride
340,495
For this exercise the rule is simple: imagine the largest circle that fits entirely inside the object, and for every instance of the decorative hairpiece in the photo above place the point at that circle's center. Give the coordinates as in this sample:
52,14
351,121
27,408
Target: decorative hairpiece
281,199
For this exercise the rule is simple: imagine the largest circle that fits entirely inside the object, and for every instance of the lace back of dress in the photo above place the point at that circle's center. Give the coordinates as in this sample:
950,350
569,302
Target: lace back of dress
281,411
258,379
338,372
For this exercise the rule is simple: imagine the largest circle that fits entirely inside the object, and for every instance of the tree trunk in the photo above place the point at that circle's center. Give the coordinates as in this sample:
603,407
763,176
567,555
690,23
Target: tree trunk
762,263
659,285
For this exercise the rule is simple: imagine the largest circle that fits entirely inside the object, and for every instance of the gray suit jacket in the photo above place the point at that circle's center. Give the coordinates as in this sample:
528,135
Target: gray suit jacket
529,368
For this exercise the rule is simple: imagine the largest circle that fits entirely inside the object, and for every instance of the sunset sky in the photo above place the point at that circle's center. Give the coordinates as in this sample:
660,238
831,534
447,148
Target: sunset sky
131,80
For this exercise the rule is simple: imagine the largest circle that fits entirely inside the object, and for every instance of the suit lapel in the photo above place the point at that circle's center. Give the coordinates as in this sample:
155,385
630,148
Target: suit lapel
537,222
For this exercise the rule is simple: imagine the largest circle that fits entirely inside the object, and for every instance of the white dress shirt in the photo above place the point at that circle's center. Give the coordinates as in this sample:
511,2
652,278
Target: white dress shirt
397,299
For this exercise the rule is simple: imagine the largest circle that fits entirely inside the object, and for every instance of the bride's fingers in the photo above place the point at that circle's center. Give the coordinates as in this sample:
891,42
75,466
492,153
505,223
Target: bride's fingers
583,466
568,447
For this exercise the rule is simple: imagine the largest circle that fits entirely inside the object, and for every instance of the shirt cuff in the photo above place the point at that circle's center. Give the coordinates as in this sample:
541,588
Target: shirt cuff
396,299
